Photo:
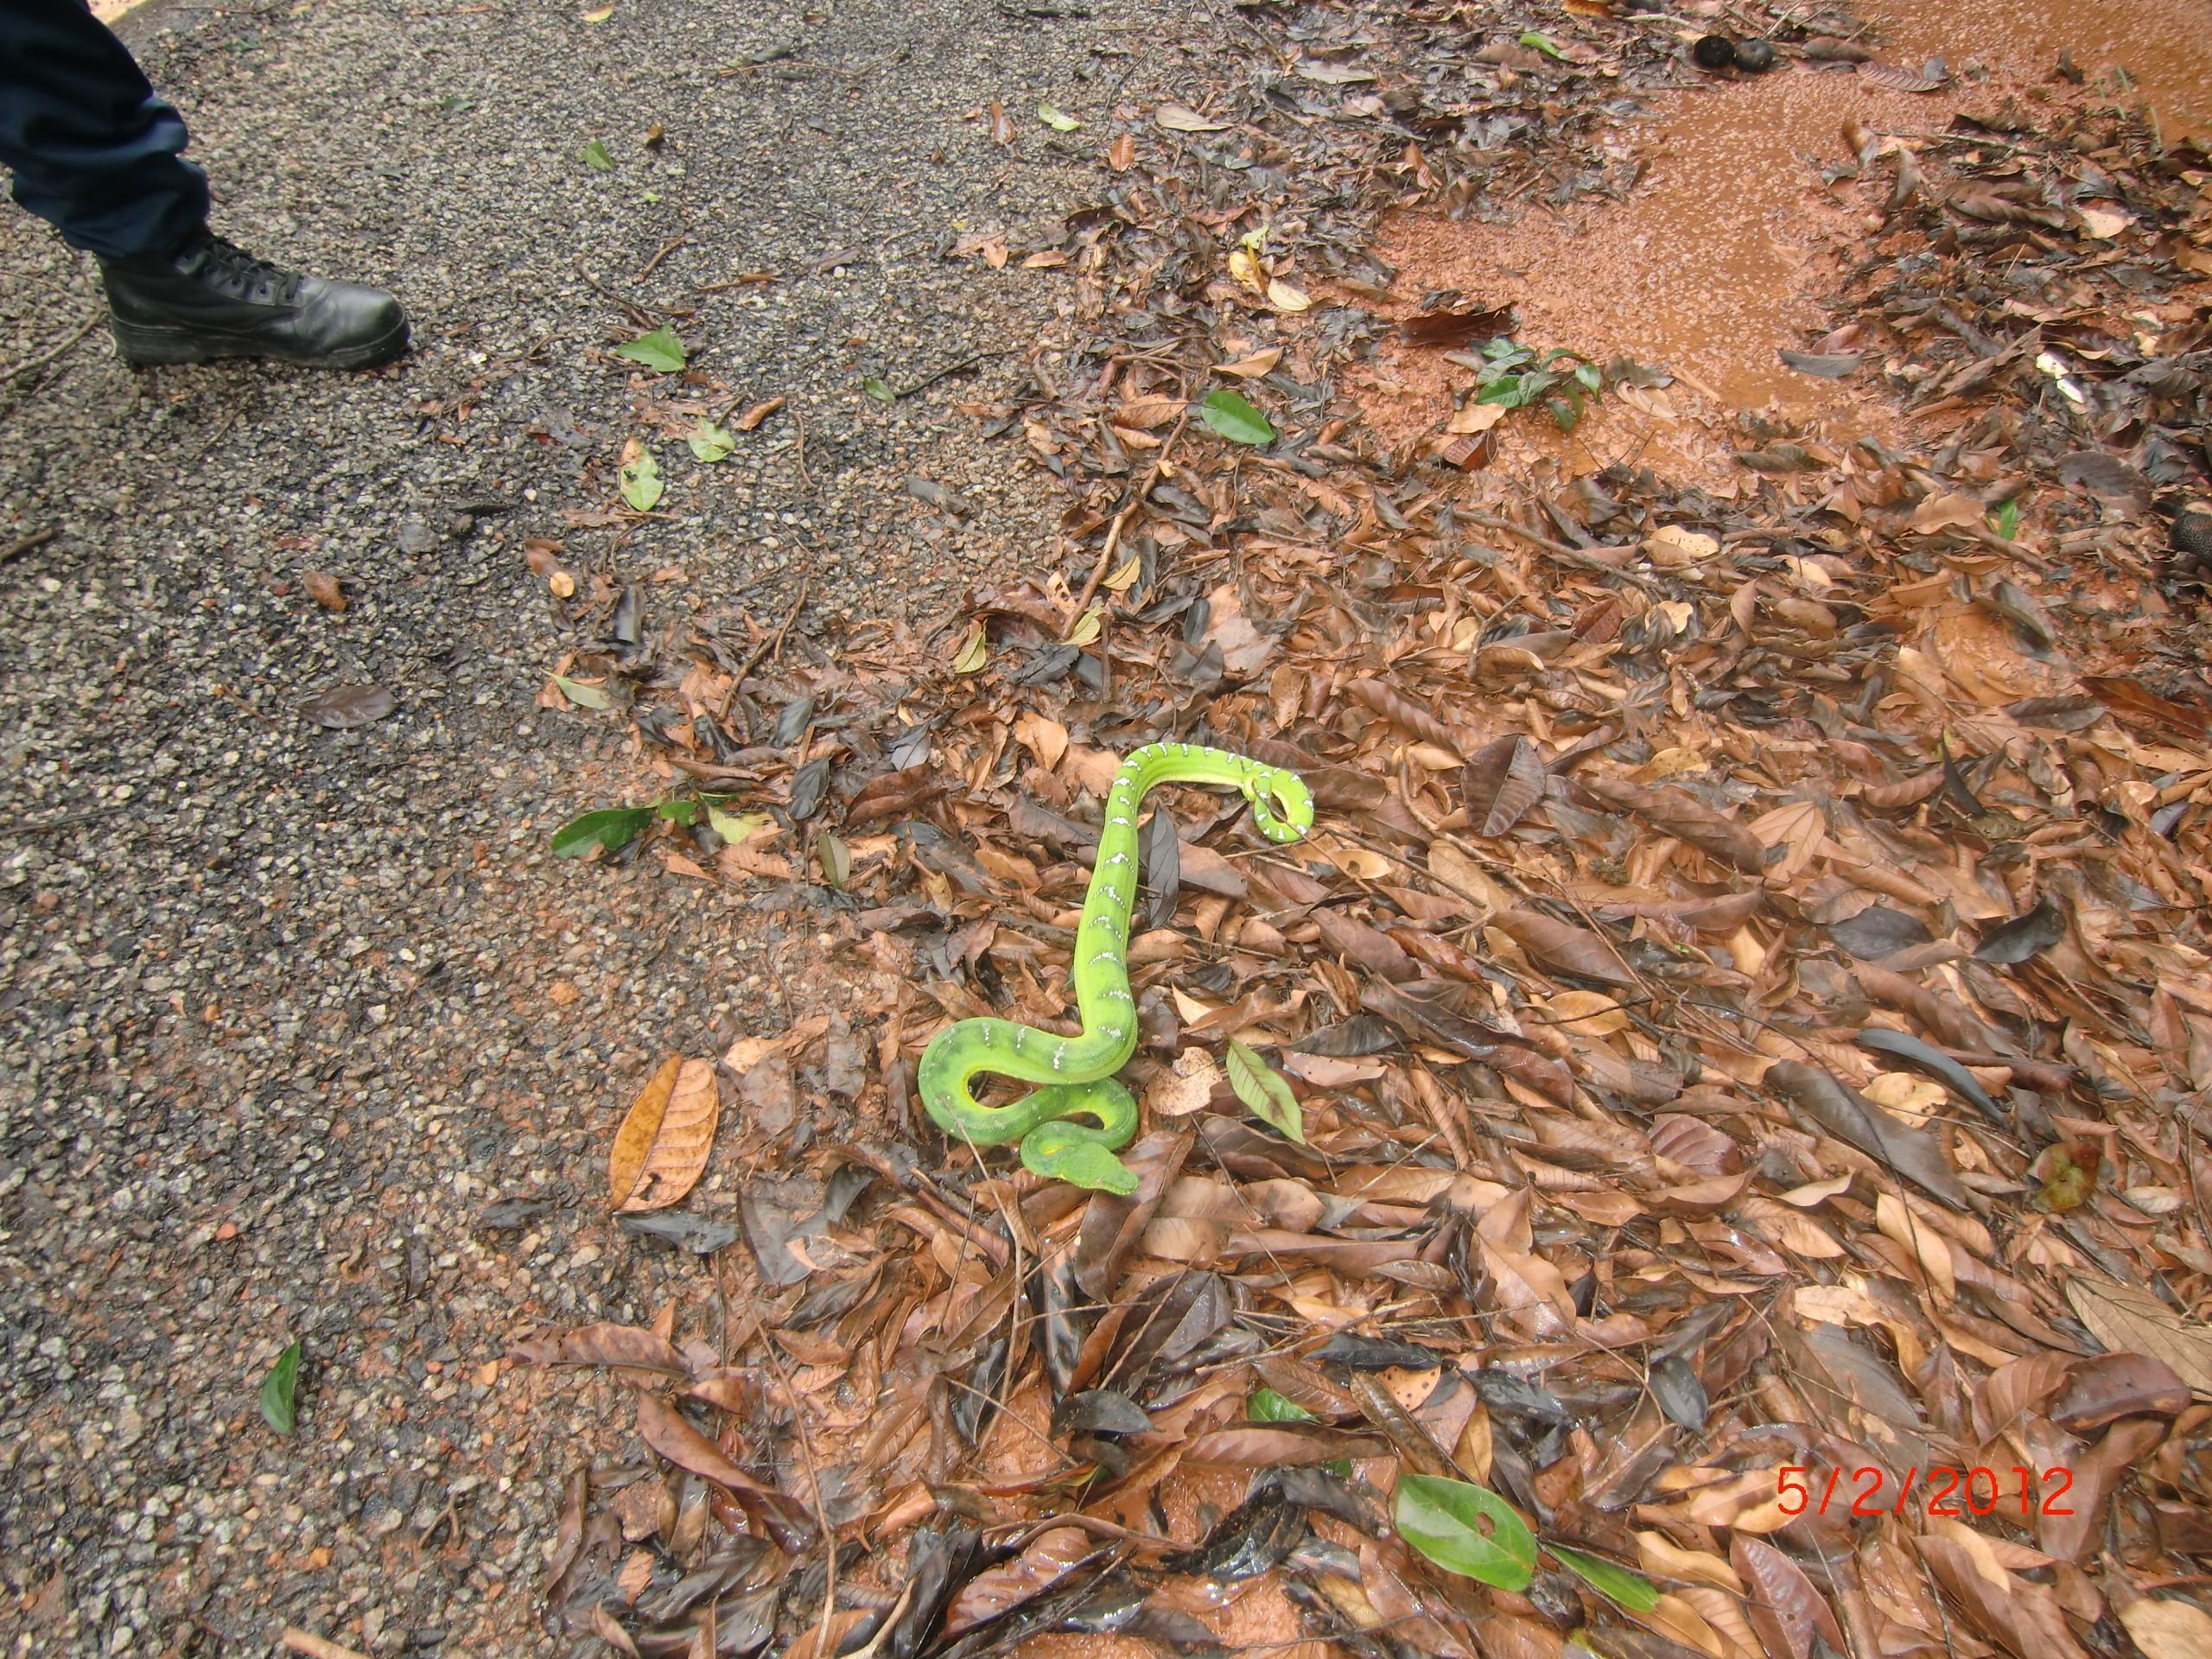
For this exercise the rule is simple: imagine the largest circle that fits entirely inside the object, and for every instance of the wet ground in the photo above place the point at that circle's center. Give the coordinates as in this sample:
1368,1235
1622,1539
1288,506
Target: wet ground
1718,256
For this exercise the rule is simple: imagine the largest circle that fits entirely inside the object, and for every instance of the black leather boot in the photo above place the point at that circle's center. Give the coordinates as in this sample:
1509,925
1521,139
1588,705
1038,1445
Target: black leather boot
210,298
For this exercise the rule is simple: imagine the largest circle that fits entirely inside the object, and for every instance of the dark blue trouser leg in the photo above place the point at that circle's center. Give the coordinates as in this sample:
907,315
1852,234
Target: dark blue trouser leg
93,151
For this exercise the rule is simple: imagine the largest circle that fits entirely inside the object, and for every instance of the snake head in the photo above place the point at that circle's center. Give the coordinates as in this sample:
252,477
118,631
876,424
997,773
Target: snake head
1281,804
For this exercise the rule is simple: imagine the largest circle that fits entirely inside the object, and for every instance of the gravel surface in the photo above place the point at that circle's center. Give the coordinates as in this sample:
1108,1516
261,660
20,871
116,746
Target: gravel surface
287,1011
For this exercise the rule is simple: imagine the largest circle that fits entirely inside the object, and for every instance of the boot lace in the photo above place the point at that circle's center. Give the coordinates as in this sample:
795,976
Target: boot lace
252,279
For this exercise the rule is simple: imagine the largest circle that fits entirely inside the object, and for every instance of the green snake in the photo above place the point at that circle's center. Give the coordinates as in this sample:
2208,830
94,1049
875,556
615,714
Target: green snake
1075,1075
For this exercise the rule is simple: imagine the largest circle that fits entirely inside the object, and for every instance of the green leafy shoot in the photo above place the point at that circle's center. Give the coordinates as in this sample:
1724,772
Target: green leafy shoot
1542,43
1444,1519
1632,1591
610,829
1058,120
279,1387
584,695
641,485
597,158
660,351
882,391
1266,1406
709,443
2006,521
1263,1089
1235,419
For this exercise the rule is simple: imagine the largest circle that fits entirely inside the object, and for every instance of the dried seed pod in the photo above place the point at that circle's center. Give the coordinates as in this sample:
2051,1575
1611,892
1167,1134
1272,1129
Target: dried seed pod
1754,57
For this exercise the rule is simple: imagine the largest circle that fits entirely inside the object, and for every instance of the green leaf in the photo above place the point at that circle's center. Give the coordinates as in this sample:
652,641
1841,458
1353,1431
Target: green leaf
680,809
709,443
278,1388
1543,43
1566,410
882,391
1633,1592
613,827
2006,519
597,159
1235,419
584,697
1266,1406
660,351
1056,120
1262,1090
837,860
641,485
1591,376
1443,1520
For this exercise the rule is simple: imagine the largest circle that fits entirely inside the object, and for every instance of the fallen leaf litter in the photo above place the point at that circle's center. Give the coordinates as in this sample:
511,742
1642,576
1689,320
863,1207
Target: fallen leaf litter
1744,994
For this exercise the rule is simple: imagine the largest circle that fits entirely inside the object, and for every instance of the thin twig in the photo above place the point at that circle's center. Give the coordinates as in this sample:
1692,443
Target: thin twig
314,1647
806,478
653,264
1114,535
637,313
950,369
51,352
37,538
1561,550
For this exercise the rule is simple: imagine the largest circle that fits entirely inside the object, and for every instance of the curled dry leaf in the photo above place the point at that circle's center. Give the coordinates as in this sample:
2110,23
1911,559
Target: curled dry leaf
661,1148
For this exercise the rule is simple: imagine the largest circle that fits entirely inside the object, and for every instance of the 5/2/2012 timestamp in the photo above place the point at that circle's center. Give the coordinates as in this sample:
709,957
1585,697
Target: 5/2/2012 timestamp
1981,1491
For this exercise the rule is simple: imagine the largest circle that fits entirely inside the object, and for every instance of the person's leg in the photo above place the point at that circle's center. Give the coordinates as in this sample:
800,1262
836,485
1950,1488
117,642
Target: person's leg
96,154
92,150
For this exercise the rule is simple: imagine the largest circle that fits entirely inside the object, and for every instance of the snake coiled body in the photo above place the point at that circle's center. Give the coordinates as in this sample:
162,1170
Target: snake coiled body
1075,1075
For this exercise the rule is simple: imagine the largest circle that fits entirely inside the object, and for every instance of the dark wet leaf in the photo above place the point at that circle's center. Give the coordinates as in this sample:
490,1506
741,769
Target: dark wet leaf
2025,936
682,1230
512,1215
1828,366
1449,331
1848,1115
1250,1539
346,706
1361,1034
1046,667
1926,1057
1500,782
1348,1350
2102,475
1878,931
1678,1391
809,783
1160,863
1100,1411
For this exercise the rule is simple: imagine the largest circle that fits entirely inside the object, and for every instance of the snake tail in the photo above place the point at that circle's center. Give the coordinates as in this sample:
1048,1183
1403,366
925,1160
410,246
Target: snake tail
1074,1076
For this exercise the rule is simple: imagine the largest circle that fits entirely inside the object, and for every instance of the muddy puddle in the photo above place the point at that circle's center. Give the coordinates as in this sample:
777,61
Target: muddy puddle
1719,257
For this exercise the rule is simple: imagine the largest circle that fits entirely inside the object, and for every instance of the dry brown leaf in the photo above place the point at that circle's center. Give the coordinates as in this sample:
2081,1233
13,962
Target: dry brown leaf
2128,1319
323,589
661,1148
2169,1629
